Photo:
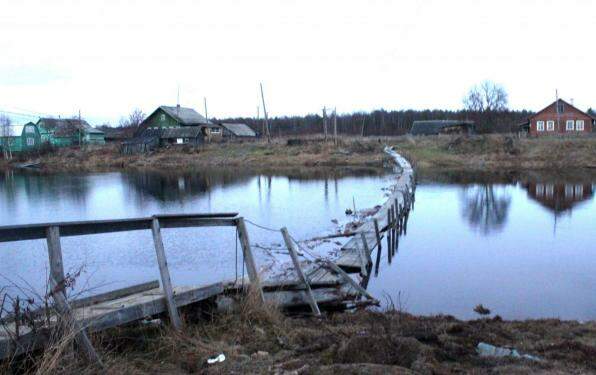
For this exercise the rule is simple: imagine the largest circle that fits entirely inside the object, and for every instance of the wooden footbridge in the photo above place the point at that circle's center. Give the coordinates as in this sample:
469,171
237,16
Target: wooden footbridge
319,283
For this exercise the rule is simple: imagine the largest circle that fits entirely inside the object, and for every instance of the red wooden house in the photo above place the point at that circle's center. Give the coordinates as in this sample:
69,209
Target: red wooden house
560,118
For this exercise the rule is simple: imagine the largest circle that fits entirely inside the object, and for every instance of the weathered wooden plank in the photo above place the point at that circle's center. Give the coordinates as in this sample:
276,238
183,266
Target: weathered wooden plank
79,228
153,306
348,279
59,296
114,294
165,274
114,313
249,260
294,256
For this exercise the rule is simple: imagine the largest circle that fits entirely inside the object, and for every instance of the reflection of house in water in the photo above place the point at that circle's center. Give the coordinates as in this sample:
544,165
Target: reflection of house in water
179,187
559,197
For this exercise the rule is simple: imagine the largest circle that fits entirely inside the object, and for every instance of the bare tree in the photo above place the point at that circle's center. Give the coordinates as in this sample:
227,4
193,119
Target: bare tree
486,97
6,133
135,118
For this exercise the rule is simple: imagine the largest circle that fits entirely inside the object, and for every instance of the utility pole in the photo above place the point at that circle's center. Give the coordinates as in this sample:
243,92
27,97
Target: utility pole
362,133
267,130
325,122
205,103
557,108
335,126
80,127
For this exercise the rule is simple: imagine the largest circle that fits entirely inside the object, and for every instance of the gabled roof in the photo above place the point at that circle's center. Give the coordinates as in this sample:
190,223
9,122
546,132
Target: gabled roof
429,127
566,104
240,130
183,115
184,132
66,126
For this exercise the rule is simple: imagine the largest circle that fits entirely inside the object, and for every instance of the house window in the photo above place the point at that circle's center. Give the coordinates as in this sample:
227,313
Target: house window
550,190
561,108
579,125
539,190
30,130
179,141
568,191
30,142
540,126
162,117
215,130
550,125
579,191
569,126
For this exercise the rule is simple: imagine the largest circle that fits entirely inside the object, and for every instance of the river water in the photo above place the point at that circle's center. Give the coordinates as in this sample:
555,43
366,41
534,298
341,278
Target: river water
522,244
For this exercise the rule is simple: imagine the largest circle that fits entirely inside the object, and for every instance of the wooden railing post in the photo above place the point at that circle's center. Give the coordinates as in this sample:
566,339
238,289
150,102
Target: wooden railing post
379,248
57,285
249,260
388,231
166,282
311,298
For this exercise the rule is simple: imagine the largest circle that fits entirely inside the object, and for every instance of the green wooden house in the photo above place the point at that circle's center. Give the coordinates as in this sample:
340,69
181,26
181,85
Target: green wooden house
69,132
24,139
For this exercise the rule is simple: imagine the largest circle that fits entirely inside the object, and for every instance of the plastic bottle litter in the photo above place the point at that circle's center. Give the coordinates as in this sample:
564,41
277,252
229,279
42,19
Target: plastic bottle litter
216,359
488,350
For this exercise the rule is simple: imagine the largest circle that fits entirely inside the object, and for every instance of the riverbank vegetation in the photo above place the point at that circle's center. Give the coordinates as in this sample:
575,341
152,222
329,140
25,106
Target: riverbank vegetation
482,152
260,339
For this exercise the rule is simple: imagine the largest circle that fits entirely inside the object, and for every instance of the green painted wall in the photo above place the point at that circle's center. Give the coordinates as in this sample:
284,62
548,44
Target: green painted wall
28,140
160,119
95,138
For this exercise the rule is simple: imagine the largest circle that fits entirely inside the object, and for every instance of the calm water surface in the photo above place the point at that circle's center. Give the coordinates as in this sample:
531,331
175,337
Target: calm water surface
522,244
305,203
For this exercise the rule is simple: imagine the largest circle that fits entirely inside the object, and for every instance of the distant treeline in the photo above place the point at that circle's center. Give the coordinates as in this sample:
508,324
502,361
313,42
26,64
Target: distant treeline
383,122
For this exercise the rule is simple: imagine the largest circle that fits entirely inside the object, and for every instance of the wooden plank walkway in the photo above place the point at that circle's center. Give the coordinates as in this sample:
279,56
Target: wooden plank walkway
349,258
108,314
317,283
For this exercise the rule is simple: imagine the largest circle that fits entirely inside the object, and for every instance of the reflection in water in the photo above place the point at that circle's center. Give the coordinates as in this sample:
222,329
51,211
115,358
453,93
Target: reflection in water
483,209
557,196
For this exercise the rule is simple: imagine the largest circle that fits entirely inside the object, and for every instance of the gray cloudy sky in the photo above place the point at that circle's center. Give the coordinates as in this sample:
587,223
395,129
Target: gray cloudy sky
106,58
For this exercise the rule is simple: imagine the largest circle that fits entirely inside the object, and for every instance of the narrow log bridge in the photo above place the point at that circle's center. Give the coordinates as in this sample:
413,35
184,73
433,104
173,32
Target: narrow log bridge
318,284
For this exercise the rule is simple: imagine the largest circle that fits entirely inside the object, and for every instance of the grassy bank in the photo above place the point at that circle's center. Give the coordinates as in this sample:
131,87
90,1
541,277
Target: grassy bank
257,339
498,152
494,152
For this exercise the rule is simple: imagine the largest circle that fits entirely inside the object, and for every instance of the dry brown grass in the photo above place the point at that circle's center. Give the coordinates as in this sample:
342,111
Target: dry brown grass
449,151
257,338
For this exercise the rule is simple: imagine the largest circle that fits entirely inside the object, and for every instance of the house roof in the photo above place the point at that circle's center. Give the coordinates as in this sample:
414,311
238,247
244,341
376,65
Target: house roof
566,104
185,116
184,132
240,130
429,127
67,126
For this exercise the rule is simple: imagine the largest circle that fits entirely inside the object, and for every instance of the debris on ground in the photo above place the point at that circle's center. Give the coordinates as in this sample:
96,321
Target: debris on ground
488,350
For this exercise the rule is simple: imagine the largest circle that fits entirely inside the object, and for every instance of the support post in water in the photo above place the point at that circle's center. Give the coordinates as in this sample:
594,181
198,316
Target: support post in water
378,236
164,272
366,249
394,232
311,298
363,259
58,295
388,231
251,266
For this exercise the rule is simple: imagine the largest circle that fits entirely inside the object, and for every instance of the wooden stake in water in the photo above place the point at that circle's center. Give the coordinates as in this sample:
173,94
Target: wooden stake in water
293,254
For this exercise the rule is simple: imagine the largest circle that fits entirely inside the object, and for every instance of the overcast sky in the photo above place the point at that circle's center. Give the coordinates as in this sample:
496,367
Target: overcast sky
106,58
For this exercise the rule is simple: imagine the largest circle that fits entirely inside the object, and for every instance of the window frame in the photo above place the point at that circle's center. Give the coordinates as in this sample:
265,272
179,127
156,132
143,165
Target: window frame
579,125
30,141
540,126
550,125
215,130
569,122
